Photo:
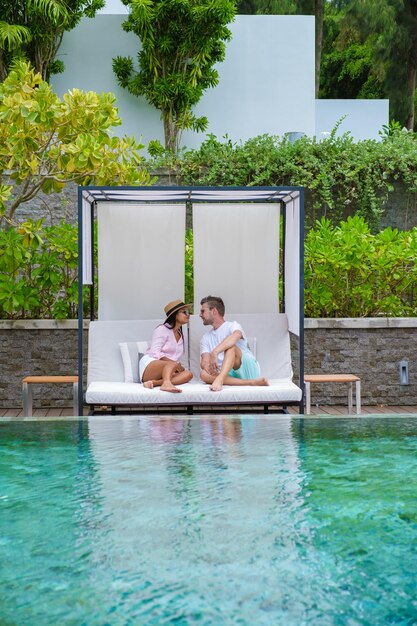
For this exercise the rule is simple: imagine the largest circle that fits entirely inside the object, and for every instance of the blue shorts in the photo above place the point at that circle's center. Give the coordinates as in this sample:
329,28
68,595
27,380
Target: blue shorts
249,368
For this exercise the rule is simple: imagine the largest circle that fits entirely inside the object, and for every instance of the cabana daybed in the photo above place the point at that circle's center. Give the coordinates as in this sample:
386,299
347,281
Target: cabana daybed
236,251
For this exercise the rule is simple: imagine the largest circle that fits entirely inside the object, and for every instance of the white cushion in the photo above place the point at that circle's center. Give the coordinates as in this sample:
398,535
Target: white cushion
104,360
252,345
132,352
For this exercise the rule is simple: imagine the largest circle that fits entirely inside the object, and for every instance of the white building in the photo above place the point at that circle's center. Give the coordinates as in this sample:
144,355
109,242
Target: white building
266,82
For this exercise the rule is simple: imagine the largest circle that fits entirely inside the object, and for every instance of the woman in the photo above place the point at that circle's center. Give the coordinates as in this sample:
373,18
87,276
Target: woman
160,366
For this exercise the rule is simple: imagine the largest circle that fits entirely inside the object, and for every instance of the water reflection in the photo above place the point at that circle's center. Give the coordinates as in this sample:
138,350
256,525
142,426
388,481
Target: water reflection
168,430
203,498
220,430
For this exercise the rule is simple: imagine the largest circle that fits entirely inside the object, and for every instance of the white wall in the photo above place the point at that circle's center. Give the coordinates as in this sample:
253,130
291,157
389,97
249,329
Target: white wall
266,82
364,120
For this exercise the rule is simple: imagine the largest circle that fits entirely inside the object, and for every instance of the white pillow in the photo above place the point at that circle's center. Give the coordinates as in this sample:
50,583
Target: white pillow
132,352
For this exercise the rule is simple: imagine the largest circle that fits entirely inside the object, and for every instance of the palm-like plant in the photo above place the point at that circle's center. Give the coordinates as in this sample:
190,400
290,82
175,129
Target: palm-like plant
13,38
33,30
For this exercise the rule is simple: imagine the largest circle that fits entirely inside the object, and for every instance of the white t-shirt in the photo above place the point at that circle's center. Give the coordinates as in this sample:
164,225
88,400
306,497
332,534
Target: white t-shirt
211,340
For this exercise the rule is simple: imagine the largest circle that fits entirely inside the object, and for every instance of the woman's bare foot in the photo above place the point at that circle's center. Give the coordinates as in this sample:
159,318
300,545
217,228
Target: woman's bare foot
170,387
148,384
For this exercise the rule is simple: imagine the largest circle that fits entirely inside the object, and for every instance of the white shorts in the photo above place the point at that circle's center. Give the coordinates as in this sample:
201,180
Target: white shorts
143,364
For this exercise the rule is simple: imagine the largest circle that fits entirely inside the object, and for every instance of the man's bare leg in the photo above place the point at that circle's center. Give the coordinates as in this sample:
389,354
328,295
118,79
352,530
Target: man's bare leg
232,359
234,382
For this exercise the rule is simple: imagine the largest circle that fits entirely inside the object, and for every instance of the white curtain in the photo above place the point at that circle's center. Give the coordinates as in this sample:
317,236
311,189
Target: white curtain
292,265
86,242
140,259
236,255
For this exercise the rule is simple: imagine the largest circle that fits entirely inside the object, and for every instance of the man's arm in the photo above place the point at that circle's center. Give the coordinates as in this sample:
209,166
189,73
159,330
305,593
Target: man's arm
205,362
204,355
228,342
209,361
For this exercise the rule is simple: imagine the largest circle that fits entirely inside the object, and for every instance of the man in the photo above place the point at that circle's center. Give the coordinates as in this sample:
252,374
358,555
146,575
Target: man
226,358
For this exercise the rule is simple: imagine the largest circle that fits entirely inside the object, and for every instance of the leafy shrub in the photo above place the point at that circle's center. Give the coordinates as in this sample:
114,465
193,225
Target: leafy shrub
189,266
350,272
46,142
341,176
38,271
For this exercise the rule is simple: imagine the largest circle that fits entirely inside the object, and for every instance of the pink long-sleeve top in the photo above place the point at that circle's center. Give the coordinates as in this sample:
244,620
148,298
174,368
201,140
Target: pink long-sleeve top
164,344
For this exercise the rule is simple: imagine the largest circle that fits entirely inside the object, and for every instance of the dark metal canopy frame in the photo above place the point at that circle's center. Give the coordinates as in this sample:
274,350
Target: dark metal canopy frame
291,200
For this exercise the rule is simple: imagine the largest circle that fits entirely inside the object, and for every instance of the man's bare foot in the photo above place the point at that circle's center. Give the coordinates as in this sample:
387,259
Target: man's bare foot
216,385
148,384
259,382
170,387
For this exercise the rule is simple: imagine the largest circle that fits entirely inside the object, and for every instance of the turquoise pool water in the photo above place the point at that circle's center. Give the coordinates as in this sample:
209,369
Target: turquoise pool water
224,521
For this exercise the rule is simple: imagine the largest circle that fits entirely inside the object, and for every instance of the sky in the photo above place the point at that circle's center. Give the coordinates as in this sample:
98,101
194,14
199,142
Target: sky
114,6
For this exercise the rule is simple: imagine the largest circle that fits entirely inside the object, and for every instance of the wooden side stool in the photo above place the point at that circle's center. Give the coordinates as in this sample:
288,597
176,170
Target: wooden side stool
335,378
39,380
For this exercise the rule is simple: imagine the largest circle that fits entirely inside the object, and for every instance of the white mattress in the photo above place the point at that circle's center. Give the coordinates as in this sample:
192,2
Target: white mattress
108,393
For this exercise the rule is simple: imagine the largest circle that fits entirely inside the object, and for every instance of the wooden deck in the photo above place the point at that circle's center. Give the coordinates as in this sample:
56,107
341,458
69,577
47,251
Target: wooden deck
315,410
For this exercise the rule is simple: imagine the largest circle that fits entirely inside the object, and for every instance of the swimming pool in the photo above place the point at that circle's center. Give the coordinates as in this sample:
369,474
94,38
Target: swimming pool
222,521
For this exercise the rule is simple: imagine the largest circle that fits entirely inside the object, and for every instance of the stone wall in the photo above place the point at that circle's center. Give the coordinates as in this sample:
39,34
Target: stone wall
52,207
55,207
370,348
400,210
35,348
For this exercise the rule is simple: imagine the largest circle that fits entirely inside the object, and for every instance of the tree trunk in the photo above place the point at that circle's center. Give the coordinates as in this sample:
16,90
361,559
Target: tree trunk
171,133
411,88
3,70
412,69
319,14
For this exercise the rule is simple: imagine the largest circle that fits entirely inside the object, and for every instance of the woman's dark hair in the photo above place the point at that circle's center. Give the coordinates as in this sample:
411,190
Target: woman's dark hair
170,322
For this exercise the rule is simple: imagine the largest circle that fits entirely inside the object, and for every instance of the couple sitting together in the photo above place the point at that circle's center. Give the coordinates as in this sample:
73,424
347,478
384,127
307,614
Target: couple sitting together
226,358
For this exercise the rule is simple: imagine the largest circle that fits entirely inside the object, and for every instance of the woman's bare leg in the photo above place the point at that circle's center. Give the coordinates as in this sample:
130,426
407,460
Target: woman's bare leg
165,373
178,379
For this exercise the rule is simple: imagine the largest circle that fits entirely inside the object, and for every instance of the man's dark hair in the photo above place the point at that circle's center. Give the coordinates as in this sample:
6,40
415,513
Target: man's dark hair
214,302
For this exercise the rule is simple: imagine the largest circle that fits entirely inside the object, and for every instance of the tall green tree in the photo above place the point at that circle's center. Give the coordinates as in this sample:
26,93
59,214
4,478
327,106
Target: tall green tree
181,41
33,29
391,26
267,7
348,69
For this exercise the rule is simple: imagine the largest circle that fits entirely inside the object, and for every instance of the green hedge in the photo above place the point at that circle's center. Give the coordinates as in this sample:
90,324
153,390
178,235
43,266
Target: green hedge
342,177
38,272
349,271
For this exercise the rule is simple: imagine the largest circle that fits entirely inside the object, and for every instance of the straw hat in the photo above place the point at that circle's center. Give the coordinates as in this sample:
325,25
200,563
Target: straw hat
173,307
